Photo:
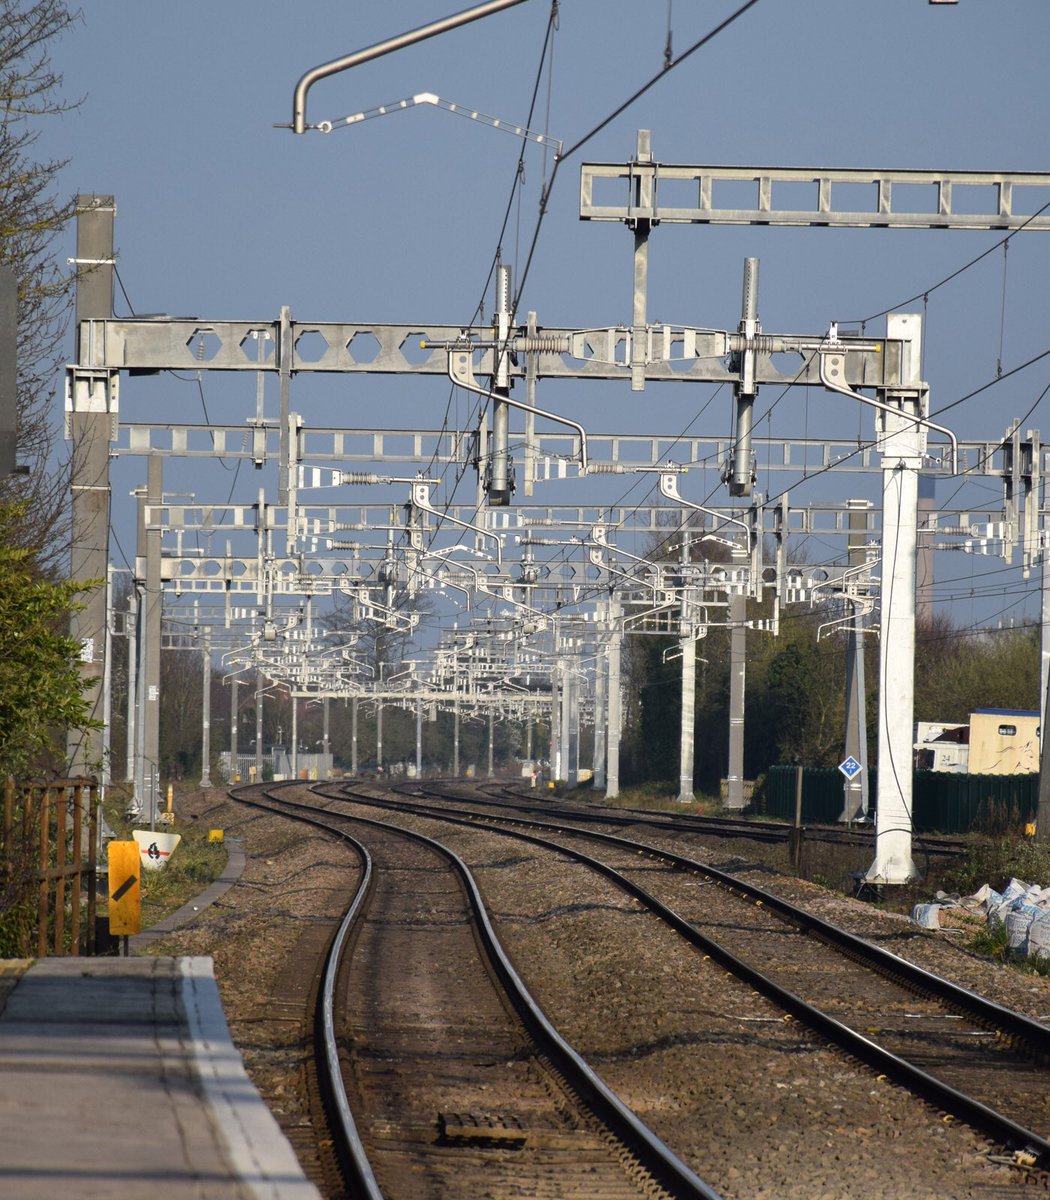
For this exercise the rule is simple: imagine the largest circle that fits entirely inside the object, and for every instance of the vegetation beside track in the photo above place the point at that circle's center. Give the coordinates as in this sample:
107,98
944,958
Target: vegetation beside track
195,864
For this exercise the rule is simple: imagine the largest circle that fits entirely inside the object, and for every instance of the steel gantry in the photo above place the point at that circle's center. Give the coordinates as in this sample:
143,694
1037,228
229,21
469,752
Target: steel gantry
488,553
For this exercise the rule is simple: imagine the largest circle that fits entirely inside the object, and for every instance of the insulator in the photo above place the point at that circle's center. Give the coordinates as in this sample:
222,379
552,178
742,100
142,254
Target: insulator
533,522
608,469
543,344
760,343
363,477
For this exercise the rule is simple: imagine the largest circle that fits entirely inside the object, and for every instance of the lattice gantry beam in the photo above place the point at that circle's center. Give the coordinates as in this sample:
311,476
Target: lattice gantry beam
286,347
856,198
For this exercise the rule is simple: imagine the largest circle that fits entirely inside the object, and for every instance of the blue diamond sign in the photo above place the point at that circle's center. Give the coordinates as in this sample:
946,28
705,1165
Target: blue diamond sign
850,768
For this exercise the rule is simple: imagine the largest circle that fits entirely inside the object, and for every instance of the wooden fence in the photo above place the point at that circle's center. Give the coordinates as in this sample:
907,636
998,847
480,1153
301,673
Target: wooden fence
48,847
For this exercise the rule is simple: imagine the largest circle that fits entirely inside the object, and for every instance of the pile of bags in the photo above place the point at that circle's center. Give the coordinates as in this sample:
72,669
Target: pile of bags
1023,908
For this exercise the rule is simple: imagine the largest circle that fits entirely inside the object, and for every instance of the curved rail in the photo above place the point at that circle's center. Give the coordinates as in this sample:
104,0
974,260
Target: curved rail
651,1152
949,1099
351,1151
759,830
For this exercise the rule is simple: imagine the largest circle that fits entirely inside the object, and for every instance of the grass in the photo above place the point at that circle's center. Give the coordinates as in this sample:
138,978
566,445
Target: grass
662,796
195,863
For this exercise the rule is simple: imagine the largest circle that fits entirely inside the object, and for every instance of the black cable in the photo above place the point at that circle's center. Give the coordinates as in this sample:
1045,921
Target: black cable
991,383
954,275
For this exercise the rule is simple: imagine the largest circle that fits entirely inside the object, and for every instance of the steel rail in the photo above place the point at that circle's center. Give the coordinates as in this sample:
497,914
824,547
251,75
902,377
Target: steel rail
651,1152
757,830
351,1152
1034,1034
945,1097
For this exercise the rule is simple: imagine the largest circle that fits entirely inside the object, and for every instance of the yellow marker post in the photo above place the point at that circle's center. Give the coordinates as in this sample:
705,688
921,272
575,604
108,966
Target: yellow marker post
215,835
125,893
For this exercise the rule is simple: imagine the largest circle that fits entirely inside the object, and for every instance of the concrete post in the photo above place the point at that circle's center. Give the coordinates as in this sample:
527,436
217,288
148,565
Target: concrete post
499,470
259,687
153,602
235,687
455,738
901,443
612,753
206,712
855,790
107,688
555,730
492,723
90,423
601,715
688,722
737,696
353,736
133,673
295,736
572,726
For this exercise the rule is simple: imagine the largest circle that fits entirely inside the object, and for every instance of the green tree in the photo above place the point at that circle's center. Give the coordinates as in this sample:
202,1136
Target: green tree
31,217
959,670
41,693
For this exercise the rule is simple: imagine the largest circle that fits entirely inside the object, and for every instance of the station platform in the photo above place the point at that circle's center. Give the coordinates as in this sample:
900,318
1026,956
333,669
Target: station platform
119,1079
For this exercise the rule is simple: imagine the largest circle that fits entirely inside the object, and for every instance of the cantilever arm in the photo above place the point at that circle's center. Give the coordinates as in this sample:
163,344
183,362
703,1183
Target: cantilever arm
461,372
834,385
312,76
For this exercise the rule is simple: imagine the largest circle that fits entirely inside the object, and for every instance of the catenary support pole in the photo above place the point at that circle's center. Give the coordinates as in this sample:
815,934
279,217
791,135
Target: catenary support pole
326,740
737,680
455,738
572,726
91,417
259,688
133,675
153,601
615,718
206,711
601,715
295,736
855,790
353,736
235,699
688,722
499,488
901,442
107,689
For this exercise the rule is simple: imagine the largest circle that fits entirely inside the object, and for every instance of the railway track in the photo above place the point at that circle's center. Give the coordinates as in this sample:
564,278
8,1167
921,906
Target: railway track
777,833
441,1074
975,1060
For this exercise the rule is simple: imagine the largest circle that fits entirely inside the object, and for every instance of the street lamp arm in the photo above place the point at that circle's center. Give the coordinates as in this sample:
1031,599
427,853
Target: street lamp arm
369,53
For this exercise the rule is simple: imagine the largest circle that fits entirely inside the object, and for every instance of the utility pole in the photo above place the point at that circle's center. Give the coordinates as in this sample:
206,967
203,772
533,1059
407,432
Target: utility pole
615,720
688,645
855,790
93,403
601,714
133,672
234,704
353,736
902,444
259,689
455,738
737,697
206,709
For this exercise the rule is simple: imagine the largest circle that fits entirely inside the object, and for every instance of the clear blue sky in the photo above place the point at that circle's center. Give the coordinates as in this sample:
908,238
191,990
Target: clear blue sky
220,215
